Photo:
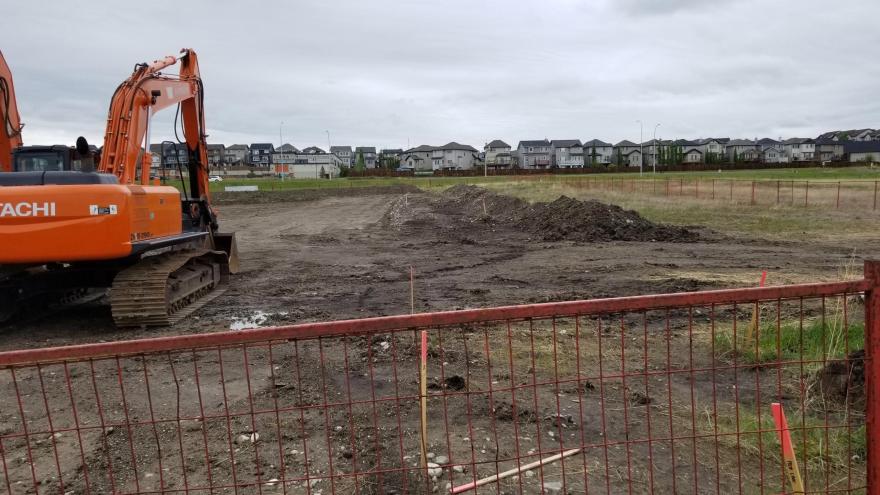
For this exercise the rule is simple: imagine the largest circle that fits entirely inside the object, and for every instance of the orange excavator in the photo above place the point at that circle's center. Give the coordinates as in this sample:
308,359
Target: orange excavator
158,249
10,136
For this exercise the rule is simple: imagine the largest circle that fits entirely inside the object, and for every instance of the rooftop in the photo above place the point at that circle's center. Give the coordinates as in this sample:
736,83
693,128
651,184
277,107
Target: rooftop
497,143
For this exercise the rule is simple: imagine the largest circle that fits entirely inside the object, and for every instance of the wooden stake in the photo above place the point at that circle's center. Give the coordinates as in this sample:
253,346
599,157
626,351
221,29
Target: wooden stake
788,455
423,405
506,474
753,325
412,292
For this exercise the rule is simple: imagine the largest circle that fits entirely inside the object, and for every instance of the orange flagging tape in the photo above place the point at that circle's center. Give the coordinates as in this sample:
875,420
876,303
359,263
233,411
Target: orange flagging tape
788,457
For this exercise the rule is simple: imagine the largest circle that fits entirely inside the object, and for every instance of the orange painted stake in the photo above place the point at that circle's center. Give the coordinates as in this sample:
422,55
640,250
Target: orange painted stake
788,456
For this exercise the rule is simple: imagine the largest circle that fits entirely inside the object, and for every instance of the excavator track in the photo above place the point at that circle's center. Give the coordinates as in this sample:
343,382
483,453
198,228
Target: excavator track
161,290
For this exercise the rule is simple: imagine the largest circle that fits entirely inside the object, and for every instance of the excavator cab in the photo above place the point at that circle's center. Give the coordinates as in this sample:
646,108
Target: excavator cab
56,158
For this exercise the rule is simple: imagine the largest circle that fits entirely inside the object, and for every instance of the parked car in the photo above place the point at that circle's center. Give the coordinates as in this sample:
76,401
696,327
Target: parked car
215,178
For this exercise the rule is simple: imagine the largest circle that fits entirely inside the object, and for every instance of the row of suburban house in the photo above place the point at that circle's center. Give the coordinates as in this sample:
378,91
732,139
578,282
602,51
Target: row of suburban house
858,145
573,153
311,162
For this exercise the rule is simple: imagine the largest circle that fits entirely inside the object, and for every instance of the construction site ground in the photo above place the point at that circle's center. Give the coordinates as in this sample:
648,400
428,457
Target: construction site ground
328,254
338,254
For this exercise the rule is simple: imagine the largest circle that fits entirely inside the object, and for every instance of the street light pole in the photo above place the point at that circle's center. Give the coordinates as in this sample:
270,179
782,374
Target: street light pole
641,151
655,147
329,158
280,144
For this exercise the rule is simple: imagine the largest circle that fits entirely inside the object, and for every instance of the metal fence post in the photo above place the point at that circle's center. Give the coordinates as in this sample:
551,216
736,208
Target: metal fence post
872,374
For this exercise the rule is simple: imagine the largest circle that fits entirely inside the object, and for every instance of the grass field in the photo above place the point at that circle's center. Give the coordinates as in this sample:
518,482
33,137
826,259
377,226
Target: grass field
818,174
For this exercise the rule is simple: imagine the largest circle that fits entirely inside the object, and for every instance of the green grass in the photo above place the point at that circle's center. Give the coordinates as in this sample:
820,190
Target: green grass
819,450
815,342
777,222
849,173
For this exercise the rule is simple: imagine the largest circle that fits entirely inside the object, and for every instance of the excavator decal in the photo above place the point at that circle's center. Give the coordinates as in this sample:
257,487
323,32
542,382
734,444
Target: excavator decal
27,210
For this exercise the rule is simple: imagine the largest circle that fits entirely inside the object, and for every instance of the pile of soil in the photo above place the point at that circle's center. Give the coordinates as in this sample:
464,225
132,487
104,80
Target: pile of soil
565,218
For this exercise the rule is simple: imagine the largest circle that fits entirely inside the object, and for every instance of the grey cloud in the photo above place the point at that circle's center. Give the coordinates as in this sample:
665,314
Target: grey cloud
659,7
386,72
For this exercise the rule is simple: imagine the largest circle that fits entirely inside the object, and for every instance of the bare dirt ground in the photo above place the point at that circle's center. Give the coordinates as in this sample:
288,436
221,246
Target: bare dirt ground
337,255
331,256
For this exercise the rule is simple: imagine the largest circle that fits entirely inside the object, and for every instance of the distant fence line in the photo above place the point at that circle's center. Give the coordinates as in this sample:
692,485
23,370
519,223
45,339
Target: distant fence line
852,194
599,169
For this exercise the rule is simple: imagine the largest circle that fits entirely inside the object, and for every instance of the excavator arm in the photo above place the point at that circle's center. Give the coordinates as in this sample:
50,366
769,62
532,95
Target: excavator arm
147,91
10,120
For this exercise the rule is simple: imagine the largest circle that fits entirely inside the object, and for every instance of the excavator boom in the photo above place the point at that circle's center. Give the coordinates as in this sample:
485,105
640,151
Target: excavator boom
10,120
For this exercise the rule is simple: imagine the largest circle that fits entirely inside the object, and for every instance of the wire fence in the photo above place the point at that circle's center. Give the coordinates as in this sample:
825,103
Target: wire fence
843,195
667,393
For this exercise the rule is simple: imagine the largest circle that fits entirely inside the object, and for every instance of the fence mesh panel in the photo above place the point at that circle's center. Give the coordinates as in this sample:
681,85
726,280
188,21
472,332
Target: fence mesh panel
654,394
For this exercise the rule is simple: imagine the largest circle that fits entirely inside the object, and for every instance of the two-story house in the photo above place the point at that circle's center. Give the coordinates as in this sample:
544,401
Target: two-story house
390,158
653,151
155,156
829,150
742,150
534,154
369,152
799,149
237,154
344,153
598,152
417,159
713,149
261,154
691,152
773,154
170,154
216,154
628,153
567,153
497,154
454,156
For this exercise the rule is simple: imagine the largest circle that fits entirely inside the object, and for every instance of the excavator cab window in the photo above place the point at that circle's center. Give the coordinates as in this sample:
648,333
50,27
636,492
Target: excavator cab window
42,162
45,159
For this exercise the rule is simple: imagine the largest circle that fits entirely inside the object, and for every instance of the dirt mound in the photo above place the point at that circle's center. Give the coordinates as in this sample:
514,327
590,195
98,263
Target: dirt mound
478,202
565,218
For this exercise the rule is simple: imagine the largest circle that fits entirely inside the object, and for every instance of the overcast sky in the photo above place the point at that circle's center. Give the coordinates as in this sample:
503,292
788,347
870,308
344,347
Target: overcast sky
392,73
